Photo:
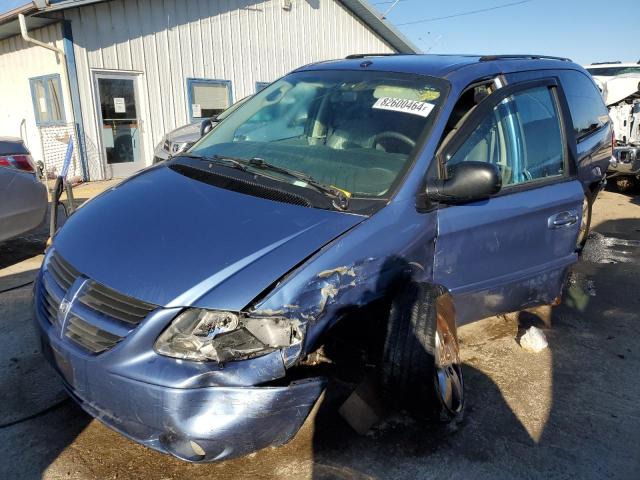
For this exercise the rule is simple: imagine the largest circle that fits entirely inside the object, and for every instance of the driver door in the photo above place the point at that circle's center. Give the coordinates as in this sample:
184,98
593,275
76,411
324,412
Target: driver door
512,250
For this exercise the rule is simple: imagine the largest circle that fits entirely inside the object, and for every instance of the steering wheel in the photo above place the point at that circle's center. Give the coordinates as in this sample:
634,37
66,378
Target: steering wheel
390,135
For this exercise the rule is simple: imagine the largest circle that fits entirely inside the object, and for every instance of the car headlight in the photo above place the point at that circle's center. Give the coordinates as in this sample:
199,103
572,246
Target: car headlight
202,335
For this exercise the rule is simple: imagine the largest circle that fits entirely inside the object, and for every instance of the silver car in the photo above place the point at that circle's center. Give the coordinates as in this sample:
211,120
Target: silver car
180,139
23,197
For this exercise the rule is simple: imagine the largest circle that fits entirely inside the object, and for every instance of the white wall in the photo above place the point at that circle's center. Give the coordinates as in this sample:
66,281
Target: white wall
20,61
243,41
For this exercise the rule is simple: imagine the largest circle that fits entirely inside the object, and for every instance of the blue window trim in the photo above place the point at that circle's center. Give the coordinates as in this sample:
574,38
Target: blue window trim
195,81
47,96
261,85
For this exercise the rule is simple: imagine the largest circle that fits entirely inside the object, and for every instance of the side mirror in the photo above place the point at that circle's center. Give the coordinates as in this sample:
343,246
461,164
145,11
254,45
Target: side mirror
207,125
468,182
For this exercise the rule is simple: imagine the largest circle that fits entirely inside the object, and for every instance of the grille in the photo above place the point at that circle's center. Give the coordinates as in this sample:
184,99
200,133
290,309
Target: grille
50,303
115,305
100,318
89,337
63,273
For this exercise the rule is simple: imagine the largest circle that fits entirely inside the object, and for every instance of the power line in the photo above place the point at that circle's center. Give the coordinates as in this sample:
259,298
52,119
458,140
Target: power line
462,14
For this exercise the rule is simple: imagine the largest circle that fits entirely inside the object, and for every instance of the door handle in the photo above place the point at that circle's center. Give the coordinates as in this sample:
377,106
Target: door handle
562,220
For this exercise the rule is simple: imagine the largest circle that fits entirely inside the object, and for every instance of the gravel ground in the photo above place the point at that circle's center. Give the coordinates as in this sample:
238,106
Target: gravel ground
570,411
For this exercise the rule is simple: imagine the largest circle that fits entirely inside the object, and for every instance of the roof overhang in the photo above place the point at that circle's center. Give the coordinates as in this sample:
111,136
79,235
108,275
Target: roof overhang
386,30
9,25
360,8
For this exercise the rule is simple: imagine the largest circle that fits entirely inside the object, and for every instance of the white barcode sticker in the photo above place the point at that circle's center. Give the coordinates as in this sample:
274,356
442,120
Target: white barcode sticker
414,107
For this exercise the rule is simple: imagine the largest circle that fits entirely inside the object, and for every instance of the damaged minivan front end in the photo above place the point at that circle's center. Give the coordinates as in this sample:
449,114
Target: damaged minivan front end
195,383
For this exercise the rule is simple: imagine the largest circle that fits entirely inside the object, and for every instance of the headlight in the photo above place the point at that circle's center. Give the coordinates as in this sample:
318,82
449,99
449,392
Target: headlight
202,335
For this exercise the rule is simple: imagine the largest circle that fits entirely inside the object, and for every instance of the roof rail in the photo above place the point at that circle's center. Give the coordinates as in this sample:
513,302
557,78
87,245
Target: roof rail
365,55
607,63
490,58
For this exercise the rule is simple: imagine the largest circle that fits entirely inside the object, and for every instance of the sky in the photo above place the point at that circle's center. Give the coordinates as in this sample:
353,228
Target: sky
583,30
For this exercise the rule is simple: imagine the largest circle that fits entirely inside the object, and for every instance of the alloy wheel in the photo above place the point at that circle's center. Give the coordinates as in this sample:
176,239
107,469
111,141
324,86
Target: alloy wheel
448,374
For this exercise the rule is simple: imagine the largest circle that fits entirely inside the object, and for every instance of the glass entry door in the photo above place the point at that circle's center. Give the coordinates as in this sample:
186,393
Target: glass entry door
120,123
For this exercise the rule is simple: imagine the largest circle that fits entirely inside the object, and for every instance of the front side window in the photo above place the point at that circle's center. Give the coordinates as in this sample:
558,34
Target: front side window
521,136
208,98
46,94
353,130
588,110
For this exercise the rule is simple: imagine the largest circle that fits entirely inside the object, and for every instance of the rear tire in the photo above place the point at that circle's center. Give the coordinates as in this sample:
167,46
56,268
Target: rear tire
420,365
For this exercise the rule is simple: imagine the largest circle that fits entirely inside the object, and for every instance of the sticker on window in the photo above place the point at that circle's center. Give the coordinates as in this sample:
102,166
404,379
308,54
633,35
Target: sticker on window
423,109
119,105
196,110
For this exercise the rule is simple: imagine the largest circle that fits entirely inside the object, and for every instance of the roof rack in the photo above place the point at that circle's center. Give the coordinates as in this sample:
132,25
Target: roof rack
606,63
490,58
365,55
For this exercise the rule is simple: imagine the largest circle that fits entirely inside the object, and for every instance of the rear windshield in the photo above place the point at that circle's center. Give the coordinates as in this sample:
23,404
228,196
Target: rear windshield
355,130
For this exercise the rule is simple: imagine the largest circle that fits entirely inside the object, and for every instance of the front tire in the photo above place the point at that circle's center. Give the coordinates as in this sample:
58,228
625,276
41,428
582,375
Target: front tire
421,365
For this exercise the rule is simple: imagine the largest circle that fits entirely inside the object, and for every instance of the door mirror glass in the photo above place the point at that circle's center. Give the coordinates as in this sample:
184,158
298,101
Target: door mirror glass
468,182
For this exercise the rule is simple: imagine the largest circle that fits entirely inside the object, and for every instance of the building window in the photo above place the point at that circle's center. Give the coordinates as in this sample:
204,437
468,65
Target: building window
208,98
46,93
261,85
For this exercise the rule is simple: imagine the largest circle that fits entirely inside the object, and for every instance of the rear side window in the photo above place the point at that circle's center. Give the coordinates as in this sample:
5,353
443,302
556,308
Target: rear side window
588,110
521,136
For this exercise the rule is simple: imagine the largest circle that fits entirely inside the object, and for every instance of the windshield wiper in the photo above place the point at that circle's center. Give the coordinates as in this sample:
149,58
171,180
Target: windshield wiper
340,197
232,162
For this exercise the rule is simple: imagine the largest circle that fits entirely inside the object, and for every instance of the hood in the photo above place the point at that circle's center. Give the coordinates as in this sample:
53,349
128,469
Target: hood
186,133
173,241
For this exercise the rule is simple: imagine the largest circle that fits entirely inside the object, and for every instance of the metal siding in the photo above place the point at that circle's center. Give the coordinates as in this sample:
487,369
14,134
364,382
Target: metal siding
243,41
25,61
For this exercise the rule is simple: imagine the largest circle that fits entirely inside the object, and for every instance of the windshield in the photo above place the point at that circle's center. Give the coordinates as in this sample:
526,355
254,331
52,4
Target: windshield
612,71
354,130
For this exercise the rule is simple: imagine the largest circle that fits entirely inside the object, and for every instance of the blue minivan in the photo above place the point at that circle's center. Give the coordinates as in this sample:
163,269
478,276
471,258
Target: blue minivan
187,306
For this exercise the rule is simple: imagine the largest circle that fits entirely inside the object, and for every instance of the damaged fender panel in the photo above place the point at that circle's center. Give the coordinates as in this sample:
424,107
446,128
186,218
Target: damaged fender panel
353,270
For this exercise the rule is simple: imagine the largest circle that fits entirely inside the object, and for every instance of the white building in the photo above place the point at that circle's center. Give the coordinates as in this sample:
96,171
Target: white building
128,71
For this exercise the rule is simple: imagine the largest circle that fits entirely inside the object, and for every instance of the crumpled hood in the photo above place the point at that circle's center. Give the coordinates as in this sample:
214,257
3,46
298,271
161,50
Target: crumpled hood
173,241
187,133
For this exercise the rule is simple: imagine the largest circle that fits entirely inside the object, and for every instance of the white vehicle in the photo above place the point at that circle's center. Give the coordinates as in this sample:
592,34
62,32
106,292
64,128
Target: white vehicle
622,96
612,69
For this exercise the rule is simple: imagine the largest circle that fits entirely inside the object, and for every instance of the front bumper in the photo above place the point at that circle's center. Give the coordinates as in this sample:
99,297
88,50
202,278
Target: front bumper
197,424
